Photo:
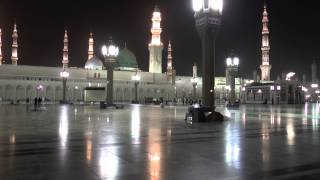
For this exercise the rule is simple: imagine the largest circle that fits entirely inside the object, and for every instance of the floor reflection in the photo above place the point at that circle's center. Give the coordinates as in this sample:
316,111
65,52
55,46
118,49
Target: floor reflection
135,124
315,116
154,153
108,162
232,147
149,142
63,126
290,132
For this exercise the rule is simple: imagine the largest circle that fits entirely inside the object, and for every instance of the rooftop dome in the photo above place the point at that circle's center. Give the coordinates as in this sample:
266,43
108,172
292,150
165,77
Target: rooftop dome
127,60
94,64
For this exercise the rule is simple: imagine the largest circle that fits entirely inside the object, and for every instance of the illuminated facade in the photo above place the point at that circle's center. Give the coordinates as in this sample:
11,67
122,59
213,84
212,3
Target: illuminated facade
265,66
14,57
156,46
65,61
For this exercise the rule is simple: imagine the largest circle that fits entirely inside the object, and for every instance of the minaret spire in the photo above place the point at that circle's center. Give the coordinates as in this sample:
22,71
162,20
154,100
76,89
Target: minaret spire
195,70
265,66
65,61
169,64
14,57
156,46
0,47
91,47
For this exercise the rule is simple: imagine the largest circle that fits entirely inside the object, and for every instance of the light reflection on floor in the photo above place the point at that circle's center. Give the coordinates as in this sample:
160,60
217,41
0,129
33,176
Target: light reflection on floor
147,142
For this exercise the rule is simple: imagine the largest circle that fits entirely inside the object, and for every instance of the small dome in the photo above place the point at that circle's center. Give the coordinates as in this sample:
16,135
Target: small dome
127,60
94,64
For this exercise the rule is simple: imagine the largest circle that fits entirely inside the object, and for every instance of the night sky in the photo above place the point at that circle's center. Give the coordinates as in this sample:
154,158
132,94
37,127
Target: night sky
294,28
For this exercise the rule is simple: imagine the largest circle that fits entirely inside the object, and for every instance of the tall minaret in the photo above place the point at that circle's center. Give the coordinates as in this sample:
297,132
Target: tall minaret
195,71
14,57
65,61
91,44
0,47
156,46
169,63
265,67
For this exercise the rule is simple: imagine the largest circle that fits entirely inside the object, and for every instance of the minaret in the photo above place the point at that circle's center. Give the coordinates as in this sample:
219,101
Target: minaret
314,72
156,46
304,79
169,63
0,47
65,61
14,57
91,48
195,71
265,67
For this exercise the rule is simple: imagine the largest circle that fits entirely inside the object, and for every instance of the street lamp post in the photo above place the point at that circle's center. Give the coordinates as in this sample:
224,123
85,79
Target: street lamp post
232,69
208,20
110,53
64,75
136,79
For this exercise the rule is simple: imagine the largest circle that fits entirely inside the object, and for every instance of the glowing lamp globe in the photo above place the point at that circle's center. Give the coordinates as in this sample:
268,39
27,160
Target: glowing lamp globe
64,74
110,51
205,5
136,78
194,80
236,61
229,61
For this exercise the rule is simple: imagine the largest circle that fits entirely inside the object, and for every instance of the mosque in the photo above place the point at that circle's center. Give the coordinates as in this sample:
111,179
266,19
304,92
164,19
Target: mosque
87,84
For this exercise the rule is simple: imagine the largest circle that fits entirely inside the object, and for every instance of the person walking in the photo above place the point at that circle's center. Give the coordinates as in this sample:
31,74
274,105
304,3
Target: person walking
27,104
35,103
39,101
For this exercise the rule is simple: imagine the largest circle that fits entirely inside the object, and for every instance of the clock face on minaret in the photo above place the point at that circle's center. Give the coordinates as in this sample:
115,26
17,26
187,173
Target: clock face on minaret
265,66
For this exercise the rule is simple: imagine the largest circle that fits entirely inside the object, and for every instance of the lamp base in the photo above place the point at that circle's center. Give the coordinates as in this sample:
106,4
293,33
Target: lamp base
64,102
104,105
203,114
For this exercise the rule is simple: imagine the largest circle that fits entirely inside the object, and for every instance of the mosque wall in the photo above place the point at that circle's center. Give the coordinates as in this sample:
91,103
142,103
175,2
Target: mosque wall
17,83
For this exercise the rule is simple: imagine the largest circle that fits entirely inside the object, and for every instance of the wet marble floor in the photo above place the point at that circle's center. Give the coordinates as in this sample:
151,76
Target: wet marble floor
150,143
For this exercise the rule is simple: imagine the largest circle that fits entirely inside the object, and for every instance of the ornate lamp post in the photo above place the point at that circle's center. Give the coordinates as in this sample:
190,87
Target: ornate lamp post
136,79
232,69
110,53
208,20
194,82
275,93
64,75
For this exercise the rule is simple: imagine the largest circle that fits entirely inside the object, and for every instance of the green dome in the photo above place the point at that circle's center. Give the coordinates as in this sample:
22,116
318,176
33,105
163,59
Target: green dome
127,60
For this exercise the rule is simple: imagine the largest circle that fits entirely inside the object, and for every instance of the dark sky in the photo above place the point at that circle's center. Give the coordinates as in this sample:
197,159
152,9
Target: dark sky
294,27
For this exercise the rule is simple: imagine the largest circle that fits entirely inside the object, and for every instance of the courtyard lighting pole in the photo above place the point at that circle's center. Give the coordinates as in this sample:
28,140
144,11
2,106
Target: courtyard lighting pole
64,75
208,20
110,53
136,79
232,68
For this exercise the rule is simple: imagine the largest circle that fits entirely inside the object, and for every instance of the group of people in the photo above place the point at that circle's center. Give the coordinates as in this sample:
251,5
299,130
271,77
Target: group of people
37,102
190,101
